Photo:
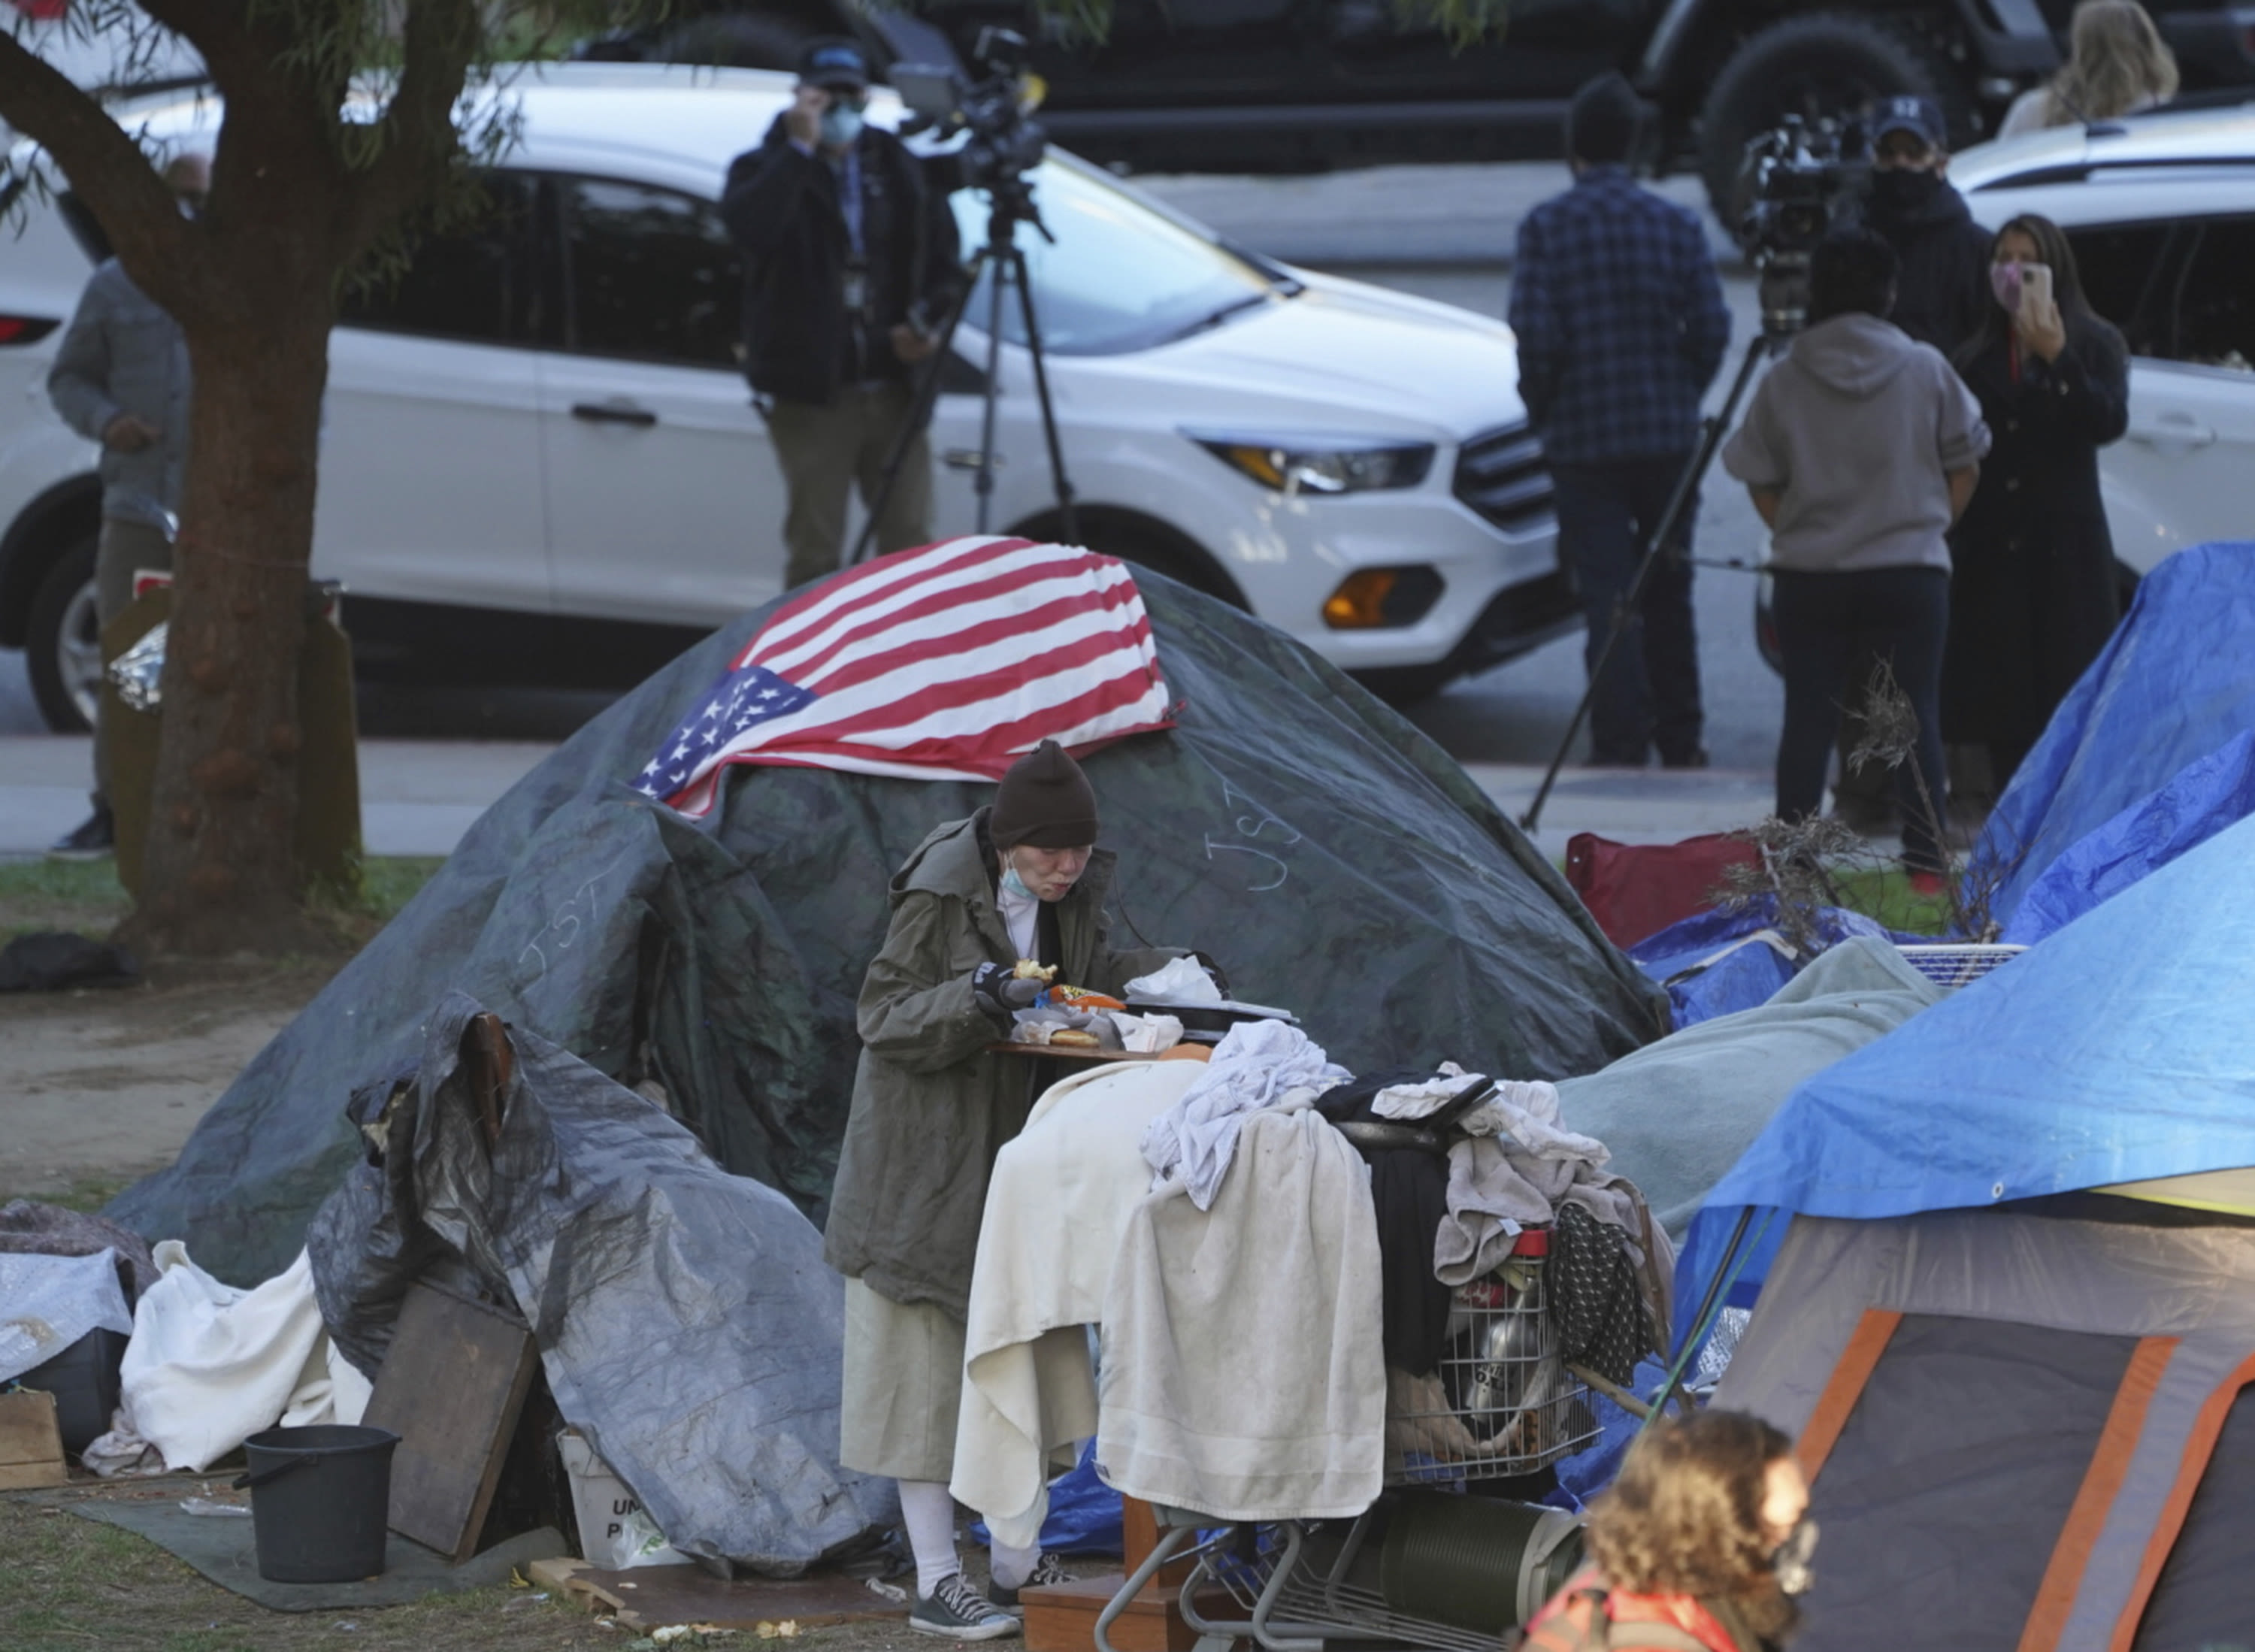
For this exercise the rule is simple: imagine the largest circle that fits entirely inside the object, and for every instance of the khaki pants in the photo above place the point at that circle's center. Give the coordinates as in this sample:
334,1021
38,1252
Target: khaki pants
123,550
825,448
903,1384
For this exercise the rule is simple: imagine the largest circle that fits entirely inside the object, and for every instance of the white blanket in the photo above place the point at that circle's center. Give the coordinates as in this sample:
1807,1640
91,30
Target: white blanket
1257,1064
1243,1373
1060,1197
209,1365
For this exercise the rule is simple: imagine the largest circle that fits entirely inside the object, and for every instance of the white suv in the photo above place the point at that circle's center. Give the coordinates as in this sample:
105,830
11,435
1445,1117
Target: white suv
2160,211
540,464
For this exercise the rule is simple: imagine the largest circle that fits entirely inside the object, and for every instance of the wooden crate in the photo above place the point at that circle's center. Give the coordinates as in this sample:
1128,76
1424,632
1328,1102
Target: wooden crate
1062,1617
31,1442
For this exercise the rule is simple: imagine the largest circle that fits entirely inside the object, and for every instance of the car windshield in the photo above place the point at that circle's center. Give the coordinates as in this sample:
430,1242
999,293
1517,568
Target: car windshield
1119,276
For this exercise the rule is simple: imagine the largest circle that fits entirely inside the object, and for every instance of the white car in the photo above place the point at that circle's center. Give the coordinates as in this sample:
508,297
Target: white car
110,50
540,463
2160,211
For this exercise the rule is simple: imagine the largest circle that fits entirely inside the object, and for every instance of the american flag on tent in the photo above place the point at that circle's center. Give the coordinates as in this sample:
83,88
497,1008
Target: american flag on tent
944,662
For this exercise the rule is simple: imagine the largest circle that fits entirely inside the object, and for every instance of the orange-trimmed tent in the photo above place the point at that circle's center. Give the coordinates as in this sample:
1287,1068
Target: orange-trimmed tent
2012,1320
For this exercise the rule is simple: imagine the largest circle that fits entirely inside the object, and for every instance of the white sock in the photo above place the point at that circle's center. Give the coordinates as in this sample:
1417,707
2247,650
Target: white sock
1011,1567
929,1513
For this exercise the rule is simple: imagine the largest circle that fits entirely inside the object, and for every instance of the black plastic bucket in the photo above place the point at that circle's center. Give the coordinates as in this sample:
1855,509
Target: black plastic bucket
319,1500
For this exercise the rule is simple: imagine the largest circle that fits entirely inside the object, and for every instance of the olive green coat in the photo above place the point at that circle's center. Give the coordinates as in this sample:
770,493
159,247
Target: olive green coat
932,1109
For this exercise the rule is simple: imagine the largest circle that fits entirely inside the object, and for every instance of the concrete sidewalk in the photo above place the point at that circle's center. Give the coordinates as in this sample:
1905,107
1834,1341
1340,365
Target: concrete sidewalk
418,797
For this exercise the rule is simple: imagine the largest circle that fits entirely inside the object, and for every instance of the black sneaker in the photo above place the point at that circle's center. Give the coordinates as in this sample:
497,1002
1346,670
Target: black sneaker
1048,1569
95,837
958,1612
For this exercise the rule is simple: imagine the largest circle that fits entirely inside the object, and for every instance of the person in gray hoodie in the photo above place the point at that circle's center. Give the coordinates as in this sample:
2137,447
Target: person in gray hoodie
1860,449
121,378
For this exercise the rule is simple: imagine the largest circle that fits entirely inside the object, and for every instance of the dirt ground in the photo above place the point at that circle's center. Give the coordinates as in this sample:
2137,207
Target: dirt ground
98,1087
102,1085
69,1583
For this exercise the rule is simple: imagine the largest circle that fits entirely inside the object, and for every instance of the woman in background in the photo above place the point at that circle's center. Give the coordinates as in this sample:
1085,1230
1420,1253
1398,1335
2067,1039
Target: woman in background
2116,65
2032,595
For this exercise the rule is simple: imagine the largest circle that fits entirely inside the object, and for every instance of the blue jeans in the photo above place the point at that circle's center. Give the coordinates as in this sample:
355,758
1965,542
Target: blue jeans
1649,694
1823,620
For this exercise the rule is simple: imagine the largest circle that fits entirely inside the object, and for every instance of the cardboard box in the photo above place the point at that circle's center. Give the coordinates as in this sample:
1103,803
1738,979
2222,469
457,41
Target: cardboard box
31,1442
615,1532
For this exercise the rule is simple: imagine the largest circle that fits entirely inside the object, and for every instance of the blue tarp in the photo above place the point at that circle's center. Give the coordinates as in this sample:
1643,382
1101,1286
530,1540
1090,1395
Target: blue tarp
2200,800
1743,979
2117,1050
2174,683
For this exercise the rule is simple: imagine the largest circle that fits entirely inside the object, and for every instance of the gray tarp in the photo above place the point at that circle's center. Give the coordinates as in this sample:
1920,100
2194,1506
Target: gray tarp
1332,858
687,1322
1678,1114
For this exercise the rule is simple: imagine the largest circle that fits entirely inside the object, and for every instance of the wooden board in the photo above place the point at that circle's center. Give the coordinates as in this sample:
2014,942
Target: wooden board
1062,1617
1066,1052
451,1388
31,1442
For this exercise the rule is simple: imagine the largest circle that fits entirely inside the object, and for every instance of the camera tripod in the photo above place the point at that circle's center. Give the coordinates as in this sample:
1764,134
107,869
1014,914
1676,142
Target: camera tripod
1010,202
1776,328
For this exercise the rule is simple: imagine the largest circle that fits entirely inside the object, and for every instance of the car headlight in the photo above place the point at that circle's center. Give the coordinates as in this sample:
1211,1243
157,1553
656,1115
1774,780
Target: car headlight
1303,467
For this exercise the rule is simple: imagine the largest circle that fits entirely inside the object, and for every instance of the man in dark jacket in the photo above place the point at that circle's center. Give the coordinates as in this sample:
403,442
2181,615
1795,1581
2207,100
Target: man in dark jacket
852,264
1942,299
1621,326
1020,880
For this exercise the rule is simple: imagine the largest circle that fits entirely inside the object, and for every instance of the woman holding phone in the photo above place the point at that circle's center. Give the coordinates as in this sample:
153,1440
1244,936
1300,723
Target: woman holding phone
2032,596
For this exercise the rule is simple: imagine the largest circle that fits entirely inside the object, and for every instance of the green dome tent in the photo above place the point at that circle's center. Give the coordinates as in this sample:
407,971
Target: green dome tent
1328,855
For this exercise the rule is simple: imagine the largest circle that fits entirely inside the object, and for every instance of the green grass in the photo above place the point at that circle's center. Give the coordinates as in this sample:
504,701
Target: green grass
88,1194
72,1583
85,896
1886,894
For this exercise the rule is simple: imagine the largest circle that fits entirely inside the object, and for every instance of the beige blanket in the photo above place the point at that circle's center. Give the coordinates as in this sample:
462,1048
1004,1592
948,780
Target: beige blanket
1061,1196
1243,1375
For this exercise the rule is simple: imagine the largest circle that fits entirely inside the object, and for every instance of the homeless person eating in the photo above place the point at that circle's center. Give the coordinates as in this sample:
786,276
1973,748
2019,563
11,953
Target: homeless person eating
985,912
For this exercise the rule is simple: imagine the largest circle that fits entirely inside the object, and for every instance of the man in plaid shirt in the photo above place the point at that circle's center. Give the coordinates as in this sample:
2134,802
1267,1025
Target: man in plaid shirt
1621,326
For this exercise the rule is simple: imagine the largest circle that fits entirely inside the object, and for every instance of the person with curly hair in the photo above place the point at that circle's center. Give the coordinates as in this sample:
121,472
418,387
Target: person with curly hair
2118,64
1700,1545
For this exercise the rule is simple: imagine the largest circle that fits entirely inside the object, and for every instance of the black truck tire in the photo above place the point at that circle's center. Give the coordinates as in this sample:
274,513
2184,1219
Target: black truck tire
1829,64
61,645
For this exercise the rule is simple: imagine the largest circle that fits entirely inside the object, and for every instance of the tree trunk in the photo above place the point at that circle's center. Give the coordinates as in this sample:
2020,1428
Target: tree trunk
220,872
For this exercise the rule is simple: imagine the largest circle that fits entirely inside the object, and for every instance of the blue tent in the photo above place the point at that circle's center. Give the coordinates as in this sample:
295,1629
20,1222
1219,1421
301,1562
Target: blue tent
2119,1051
2175,682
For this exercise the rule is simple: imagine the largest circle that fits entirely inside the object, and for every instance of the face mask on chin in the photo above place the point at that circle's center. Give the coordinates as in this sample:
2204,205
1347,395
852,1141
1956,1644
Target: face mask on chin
1013,885
1899,190
841,126
1793,1562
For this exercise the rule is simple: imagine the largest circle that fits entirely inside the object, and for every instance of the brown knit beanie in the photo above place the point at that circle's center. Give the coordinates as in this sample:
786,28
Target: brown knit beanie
1044,800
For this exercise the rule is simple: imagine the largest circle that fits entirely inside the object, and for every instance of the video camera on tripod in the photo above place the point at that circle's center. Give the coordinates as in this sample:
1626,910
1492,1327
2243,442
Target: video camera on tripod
1799,182
1004,142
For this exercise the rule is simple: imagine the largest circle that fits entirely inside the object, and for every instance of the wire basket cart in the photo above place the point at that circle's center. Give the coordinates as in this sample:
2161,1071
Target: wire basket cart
1950,965
1500,1404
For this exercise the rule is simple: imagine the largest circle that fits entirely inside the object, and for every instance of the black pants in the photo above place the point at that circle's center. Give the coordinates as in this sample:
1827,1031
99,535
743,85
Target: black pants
1649,694
1901,615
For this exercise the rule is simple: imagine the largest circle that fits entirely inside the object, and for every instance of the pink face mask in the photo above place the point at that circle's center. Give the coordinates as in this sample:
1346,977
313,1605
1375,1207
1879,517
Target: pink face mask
2004,282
